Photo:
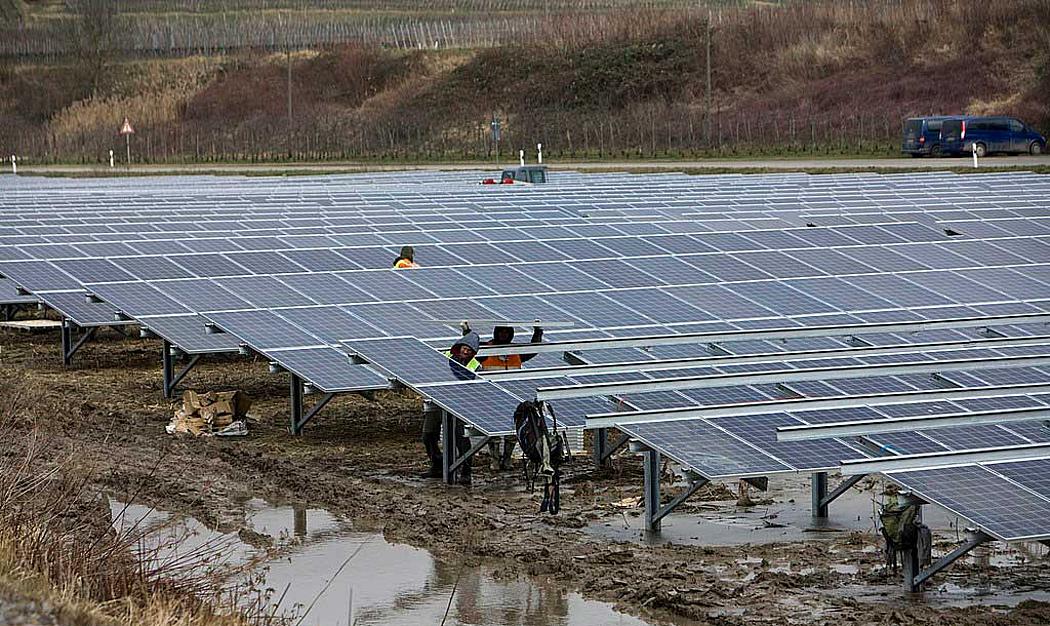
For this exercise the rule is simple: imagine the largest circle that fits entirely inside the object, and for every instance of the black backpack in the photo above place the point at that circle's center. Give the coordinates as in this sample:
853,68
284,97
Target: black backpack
543,450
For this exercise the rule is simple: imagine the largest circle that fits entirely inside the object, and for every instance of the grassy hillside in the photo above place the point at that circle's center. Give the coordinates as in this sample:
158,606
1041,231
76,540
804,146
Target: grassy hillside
799,78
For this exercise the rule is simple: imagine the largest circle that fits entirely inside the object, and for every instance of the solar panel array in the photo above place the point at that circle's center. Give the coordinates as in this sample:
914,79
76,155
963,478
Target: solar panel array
299,270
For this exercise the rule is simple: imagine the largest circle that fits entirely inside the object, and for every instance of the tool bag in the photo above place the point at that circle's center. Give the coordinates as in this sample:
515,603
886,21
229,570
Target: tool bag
543,451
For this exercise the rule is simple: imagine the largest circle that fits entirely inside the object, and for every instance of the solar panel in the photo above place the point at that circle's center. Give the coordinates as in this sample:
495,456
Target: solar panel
328,369
409,360
995,504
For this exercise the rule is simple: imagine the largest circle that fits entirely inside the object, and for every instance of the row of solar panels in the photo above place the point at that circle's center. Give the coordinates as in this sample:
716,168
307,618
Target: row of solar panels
576,304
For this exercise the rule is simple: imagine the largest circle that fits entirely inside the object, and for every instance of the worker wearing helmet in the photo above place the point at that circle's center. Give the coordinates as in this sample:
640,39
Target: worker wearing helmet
406,259
462,352
504,336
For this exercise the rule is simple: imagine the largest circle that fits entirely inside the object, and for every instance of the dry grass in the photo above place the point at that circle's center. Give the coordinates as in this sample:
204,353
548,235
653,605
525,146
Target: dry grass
59,553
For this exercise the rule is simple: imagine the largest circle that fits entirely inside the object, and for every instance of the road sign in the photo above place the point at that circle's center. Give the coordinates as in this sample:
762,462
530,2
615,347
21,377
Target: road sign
125,128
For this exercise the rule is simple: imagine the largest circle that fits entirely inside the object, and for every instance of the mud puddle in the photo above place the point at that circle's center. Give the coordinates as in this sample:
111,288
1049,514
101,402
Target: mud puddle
783,515
310,562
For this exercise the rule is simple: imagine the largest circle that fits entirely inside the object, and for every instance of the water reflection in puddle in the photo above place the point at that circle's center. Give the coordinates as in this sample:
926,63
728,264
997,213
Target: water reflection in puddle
315,563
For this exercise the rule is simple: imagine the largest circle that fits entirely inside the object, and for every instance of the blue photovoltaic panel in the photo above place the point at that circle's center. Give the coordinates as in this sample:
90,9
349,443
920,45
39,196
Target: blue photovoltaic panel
480,403
995,504
137,299
410,360
188,333
266,263
326,288
209,265
151,268
328,369
332,324
200,294
262,330
264,291
719,455
75,306
37,276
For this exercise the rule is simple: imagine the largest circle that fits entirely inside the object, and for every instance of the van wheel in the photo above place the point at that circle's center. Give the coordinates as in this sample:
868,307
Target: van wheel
982,150
1036,148
935,151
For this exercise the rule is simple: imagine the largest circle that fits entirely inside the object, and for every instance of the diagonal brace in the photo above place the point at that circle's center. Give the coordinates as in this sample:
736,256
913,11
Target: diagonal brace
69,348
664,510
474,449
840,489
612,449
972,542
300,419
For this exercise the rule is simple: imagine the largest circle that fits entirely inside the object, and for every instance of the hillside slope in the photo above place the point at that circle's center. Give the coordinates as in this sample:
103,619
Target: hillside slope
807,77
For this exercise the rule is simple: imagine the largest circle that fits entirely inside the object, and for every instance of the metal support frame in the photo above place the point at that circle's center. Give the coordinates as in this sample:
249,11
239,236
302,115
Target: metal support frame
602,450
451,461
654,512
614,419
726,358
69,347
299,417
777,333
10,310
931,460
171,377
819,493
821,498
859,428
712,381
915,577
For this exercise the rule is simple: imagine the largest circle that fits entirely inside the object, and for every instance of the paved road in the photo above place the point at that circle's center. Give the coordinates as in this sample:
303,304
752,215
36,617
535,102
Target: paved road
715,164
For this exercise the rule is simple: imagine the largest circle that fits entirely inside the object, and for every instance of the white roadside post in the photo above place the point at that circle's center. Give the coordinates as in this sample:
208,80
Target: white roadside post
14,164
521,157
539,153
973,148
110,159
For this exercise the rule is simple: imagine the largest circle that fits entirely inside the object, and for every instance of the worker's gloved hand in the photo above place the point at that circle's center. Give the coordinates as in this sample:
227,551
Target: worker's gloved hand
464,326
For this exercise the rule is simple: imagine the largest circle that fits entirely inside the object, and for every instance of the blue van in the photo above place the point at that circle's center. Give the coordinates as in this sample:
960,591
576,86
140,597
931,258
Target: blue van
961,135
922,135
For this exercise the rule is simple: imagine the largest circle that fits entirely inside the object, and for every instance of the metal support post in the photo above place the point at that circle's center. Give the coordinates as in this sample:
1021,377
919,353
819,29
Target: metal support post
312,412
296,401
168,365
69,348
651,472
819,493
171,377
910,569
654,513
67,342
448,446
599,442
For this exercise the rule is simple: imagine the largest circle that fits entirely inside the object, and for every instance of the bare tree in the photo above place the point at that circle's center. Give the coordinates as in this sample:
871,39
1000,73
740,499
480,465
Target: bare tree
94,34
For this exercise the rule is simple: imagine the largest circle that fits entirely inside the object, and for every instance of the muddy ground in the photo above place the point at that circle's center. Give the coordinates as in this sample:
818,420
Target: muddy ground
360,459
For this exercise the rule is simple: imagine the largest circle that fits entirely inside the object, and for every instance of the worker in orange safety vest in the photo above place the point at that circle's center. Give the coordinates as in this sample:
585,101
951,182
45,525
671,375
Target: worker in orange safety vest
406,259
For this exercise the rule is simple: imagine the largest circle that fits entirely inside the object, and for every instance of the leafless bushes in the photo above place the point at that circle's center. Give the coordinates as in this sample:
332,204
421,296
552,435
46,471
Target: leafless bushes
57,544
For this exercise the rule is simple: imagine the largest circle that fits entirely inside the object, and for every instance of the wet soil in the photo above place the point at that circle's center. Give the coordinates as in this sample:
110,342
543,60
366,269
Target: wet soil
360,457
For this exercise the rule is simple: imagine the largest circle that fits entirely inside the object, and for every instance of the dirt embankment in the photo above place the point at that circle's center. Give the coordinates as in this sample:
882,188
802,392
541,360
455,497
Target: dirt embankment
809,78
360,459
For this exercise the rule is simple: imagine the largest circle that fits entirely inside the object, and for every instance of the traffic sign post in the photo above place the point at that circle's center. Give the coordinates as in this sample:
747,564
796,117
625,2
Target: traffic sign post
127,130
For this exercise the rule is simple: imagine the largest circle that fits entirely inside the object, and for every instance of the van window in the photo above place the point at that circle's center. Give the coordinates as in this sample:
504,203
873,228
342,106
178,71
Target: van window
913,127
538,176
951,127
998,125
1016,126
934,125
